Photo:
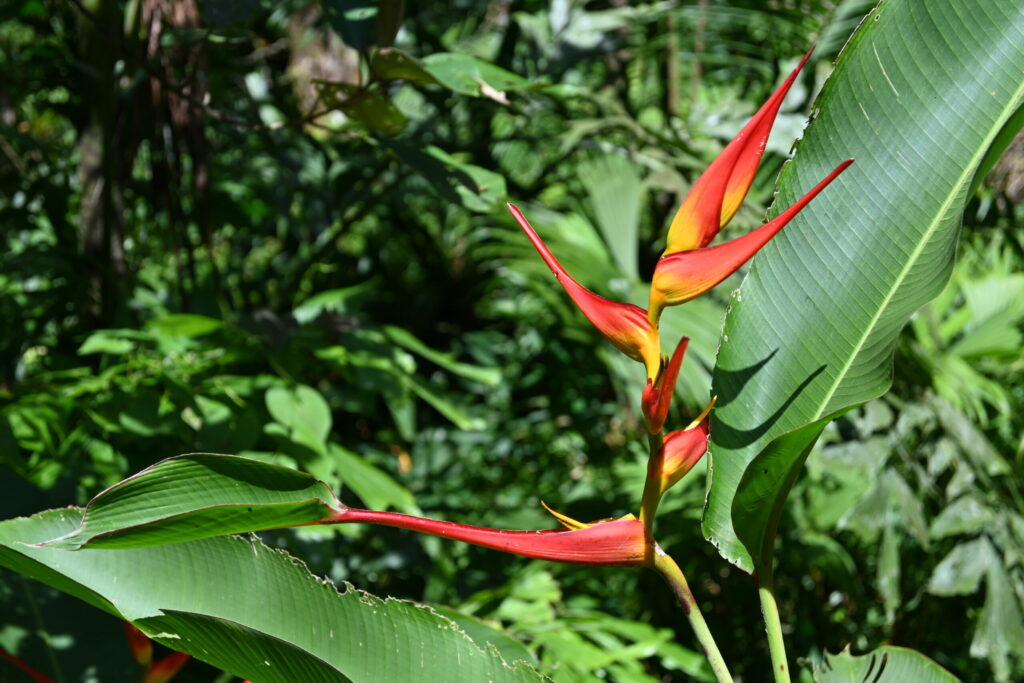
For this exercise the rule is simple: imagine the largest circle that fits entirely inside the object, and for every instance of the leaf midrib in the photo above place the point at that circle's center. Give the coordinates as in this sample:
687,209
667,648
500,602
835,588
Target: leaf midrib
965,177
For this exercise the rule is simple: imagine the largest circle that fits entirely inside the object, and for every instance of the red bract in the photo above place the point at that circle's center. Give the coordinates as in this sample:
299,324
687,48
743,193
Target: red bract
683,449
716,196
657,395
686,275
140,644
626,326
688,268
160,671
611,543
165,668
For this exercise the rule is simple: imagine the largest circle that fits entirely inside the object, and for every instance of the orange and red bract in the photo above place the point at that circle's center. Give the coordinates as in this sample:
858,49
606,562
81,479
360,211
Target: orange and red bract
140,644
716,196
686,275
683,449
626,326
688,267
166,668
160,671
657,395
612,543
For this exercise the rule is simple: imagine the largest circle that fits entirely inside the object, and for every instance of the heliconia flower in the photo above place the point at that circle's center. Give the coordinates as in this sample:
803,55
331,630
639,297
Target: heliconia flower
657,395
166,668
607,543
683,449
160,671
626,326
716,196
140,644
685,275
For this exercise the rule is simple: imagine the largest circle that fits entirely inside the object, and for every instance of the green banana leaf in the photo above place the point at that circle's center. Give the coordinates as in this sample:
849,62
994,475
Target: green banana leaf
918,96
144,550
199,495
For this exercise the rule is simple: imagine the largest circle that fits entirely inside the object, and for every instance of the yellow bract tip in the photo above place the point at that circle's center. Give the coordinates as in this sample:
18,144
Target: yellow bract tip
567,522
704,413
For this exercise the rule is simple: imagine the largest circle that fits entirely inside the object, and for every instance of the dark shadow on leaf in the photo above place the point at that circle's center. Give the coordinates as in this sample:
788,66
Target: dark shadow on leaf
729,383
734,438
255,474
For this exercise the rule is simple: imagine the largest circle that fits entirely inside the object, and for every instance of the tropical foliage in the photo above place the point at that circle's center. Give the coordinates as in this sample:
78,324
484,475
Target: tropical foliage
279,231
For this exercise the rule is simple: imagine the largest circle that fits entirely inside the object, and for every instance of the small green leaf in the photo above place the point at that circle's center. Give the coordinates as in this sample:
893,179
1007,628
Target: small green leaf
487,376
442,405
391,64
468,75
371,108
332,301
106,341
888,580
374,486
960,572
184,325
963,516
479,189
1000,631
303,411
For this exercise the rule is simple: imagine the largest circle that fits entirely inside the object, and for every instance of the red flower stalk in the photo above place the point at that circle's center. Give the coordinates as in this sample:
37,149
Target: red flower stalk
657,395
685,275
607,543
676,455
25,668
626,326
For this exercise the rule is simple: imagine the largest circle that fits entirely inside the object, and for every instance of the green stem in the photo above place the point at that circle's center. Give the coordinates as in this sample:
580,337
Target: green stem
674,577
652,485
773,626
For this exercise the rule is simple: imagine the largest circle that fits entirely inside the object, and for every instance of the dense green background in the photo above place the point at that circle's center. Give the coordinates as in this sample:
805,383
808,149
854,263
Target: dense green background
197,257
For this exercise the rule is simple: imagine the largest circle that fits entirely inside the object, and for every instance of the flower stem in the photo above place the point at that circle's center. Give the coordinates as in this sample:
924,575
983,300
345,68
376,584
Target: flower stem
773,626
652,485
674,577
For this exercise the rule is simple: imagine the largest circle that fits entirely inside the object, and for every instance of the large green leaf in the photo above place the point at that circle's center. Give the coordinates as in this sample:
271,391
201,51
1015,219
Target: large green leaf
885,665
919,94
197,496
254,611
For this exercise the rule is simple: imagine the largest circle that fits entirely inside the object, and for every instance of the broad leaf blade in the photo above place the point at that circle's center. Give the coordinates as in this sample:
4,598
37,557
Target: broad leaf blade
917,97
197,496
255,606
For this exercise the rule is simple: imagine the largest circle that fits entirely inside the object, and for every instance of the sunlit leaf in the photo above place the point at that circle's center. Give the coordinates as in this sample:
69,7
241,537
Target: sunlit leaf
253,611
918,96
197,496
